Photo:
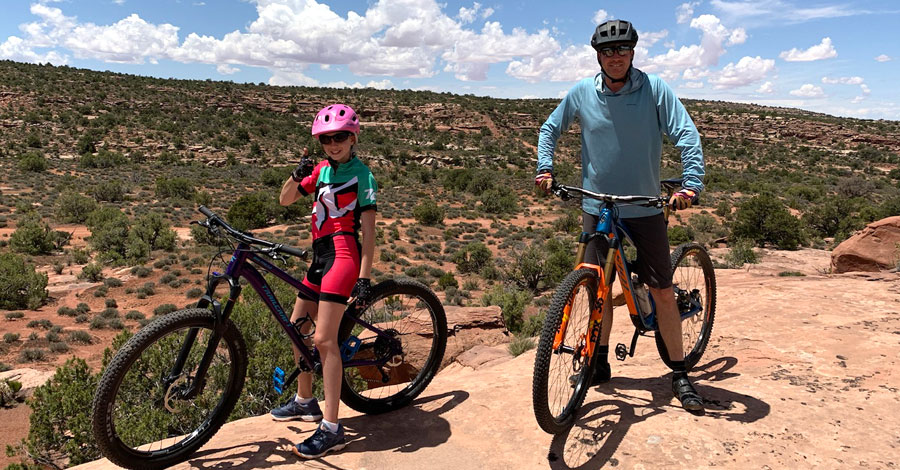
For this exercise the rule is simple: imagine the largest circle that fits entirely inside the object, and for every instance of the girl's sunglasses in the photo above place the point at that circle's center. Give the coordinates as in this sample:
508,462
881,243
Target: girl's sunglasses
340,137
621,50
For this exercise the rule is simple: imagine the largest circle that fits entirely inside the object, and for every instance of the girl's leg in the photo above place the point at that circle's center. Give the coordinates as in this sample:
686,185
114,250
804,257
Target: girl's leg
327,325
303,307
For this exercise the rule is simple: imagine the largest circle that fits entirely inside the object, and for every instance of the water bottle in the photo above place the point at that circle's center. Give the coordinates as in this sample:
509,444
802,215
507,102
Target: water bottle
643,296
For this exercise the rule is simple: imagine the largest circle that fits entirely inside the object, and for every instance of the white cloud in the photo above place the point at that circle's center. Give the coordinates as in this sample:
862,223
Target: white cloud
226,69
766,88
883,58
748,70
761,12
15,48
468,15
843,80
823,50
865,89
600,16
119,2
380,85
692,85
696,56
809,90
573,63
685,11
738,36
648,39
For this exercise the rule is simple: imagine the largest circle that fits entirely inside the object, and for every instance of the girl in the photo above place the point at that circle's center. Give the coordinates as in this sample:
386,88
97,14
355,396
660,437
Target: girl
343,208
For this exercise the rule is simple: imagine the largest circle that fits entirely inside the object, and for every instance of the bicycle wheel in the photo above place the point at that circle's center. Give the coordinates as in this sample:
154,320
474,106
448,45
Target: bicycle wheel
562,374
694,280
141,416
407,311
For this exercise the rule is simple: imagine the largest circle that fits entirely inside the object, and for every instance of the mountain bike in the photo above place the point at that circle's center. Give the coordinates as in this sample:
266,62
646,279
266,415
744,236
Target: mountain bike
563,363
173,384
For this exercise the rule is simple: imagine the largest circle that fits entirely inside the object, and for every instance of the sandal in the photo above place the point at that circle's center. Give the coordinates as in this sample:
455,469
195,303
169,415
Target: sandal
686,394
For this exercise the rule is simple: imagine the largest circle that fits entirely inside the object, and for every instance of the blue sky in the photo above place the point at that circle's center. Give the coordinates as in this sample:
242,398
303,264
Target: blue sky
840,58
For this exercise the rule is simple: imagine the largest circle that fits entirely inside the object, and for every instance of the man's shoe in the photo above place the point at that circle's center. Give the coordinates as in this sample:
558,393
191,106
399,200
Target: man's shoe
321,443
294,410
602,373
686,394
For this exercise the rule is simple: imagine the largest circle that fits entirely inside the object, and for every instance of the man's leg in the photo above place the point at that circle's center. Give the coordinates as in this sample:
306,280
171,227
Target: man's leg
670,328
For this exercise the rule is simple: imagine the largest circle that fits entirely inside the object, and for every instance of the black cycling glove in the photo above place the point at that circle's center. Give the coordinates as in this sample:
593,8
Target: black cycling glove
362,290
304,169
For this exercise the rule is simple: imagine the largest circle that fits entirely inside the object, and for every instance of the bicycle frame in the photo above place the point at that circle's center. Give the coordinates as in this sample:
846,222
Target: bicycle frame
241,266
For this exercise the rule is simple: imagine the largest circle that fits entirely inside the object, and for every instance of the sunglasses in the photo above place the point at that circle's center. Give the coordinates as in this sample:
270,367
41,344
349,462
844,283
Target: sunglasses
340,137
621,50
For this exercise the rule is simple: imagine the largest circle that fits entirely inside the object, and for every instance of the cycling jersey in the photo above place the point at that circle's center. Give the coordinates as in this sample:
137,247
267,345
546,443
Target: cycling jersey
340,196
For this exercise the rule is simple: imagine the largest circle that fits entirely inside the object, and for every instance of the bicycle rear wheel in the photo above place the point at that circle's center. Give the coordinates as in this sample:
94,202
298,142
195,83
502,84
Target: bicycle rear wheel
143,417
562,373
408,312
694,280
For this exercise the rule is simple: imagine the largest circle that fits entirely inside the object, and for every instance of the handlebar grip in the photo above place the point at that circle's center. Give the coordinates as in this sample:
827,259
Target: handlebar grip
206,212
294,251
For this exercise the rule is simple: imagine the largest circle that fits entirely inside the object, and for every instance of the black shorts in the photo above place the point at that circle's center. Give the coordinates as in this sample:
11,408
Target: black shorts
650,237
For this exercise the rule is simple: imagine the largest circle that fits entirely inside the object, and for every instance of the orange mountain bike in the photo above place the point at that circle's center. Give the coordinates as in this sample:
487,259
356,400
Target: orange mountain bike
563,363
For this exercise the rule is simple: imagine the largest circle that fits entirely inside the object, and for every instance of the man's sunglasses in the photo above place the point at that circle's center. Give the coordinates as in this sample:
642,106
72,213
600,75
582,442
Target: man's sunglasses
622,50
340,137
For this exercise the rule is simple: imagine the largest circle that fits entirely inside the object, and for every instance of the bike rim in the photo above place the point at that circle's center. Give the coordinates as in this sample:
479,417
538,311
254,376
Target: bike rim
148,416
406,318
689,276
568,362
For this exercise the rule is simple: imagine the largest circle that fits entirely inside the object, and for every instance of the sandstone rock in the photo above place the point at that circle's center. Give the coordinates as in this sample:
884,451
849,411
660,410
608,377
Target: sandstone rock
29,378
875,248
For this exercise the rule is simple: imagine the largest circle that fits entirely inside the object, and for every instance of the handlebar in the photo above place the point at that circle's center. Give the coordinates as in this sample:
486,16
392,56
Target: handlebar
563,191
213,222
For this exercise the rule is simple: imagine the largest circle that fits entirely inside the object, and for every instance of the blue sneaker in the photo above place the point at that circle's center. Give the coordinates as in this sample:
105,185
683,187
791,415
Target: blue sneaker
321,443
293,410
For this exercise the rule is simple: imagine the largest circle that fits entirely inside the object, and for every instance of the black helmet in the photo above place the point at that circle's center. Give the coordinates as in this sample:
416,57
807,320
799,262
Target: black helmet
612,32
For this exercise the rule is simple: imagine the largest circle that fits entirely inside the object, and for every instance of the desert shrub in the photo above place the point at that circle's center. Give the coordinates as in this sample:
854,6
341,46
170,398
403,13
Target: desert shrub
428,213
109,233
66,311
177,187
679,234
835,217
103,159
80,336
141,271
92,272
164,309
109,191
252,211
32,236
194,293
82,308
32,355
59,347
512,303
520,344
540,265
14,315
447,280
472,258
765,219
60,424
20,285
740,253
42,323
33,161
499,201
112,282
134,315
10,337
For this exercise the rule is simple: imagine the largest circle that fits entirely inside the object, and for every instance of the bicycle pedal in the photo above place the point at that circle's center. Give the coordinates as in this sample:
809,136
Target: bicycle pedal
621,352
349,348
278,380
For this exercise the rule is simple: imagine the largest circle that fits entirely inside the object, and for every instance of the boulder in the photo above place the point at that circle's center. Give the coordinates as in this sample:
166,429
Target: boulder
875,248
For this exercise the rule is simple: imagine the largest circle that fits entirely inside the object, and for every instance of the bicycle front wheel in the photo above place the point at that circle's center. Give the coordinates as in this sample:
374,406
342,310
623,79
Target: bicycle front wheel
562,371
402,360
694,281
146,414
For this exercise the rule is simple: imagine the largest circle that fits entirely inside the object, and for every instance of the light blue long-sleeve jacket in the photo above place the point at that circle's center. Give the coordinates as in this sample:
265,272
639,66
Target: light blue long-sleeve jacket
621,138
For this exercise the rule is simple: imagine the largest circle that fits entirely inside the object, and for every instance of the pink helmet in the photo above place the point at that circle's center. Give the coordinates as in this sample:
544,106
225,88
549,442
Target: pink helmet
334,118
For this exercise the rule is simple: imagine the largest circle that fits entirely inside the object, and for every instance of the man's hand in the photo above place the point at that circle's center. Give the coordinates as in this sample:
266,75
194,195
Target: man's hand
544,181
304,169
362,291
682,199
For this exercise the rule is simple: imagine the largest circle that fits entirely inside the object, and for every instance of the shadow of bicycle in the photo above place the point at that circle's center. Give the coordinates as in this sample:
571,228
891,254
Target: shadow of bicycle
601,426
409,429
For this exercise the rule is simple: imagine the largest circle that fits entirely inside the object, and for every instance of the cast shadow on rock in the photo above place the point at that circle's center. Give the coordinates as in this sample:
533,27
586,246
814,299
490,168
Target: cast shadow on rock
601,426
408,429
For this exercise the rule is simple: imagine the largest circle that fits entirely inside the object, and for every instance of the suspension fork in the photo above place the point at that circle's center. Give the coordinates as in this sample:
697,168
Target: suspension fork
207,301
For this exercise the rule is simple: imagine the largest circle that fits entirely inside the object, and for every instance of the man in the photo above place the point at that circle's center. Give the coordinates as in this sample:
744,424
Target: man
622,113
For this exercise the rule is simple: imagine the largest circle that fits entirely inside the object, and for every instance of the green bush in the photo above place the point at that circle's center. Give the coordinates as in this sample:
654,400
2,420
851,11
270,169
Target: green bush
512,303
252,211
447,280
33,161
20,285
72,207
177,187
541,265
740,253
679,234
473,257
109,191
765,219
32,236
428,213
520,344
499,201
92,272
60,423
